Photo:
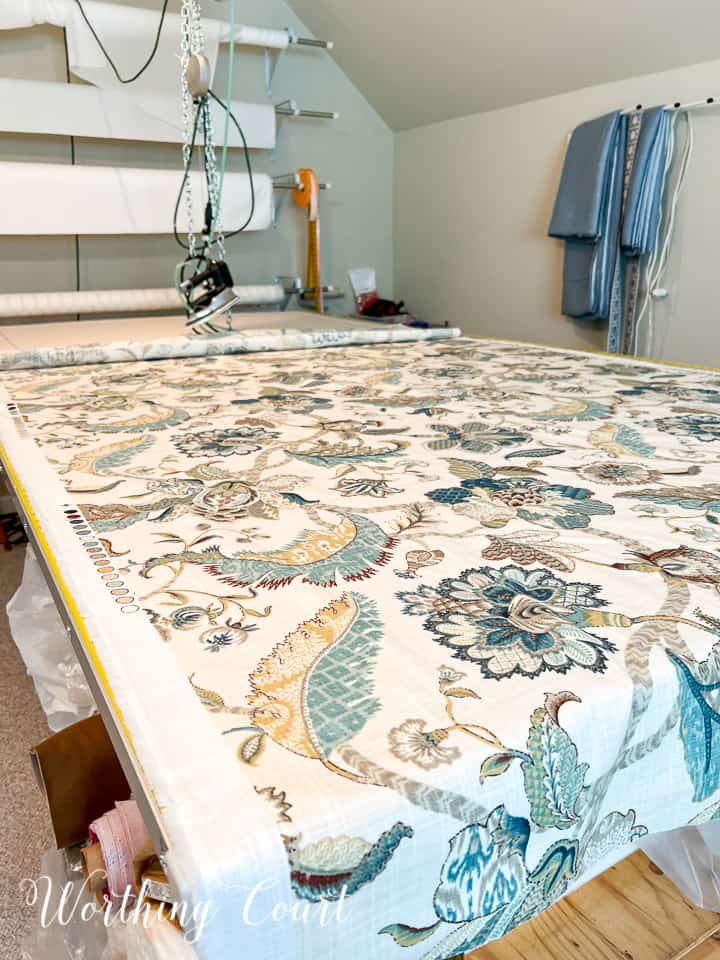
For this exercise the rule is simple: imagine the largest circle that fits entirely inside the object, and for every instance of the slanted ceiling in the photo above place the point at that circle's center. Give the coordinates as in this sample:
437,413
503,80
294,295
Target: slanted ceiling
420,61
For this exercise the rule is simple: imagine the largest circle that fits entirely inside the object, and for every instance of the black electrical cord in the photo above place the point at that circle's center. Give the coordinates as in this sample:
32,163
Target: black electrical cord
107,55
199,109
186,174
205,110
248,165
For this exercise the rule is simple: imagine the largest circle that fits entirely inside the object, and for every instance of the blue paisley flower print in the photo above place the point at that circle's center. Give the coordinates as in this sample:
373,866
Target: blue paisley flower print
240,440
702,427
365,486
486,887
188,617
512,621
475,437
618,474
290,401
497,501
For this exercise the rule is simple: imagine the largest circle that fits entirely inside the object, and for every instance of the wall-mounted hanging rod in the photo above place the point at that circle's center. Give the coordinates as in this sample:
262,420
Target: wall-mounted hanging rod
681,107
289,108
306,296
291,181
288,182
276,42
309,42
293,287
273,39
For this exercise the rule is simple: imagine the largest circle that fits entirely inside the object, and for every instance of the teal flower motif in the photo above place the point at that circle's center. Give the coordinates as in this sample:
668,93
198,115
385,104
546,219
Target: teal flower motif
486,887
700,721
702,427
497,501
239,441
512,621
188,617
475,437
618,474
221,637
292,401
365,487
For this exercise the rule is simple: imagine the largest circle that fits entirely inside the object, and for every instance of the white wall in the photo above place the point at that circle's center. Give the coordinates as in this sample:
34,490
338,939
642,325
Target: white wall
354,153
473,200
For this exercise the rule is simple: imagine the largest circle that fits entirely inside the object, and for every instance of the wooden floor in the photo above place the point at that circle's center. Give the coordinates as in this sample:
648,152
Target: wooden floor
631,912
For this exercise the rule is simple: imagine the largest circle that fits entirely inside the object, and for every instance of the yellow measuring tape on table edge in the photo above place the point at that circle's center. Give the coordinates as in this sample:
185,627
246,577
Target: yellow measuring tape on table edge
62,586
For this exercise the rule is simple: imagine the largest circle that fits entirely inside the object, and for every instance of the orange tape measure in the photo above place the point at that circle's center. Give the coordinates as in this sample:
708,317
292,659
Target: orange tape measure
308,197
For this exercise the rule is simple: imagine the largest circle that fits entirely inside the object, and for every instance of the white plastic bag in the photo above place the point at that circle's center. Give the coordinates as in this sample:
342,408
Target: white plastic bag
690,857
47,651
71,925
69,928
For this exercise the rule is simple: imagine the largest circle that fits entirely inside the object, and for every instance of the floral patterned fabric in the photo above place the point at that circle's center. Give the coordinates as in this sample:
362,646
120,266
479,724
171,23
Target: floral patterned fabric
452,605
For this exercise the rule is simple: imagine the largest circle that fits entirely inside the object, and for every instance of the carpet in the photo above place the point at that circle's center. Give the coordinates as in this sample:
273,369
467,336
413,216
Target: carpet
24,823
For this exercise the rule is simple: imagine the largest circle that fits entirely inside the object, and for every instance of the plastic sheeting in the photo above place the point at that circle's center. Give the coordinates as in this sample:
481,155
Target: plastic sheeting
47,651
690,857
84,933
41,199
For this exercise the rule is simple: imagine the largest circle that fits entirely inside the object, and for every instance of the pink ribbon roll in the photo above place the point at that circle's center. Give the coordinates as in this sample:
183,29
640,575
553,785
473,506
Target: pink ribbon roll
123,837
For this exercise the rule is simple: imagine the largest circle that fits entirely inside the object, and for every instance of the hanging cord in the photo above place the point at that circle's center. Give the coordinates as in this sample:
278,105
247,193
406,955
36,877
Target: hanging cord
188,167
212,181
657,264
186,175
191,42
228,98
649,266
107,56
248,165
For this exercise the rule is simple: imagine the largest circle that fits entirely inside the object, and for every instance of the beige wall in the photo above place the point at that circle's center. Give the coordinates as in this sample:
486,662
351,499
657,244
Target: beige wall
354,153
473,199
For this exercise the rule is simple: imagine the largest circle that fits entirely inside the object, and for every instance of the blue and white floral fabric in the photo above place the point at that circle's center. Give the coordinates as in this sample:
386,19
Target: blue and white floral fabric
452,608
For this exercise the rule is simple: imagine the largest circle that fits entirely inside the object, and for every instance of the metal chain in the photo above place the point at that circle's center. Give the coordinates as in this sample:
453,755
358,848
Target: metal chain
213,177
187,115
191,41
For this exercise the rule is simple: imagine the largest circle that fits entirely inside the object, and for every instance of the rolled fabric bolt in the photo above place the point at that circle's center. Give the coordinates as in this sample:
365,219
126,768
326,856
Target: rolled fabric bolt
95,873
101,200
14,305
124,841
262,37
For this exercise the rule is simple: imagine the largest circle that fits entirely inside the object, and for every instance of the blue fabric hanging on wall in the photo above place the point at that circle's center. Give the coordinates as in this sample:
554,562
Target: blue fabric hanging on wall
608,211
587,215
641,216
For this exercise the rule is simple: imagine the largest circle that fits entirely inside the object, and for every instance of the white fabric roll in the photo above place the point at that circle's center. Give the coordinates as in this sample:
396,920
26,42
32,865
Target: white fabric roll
127,33
40,199
261,37
20,305
73,109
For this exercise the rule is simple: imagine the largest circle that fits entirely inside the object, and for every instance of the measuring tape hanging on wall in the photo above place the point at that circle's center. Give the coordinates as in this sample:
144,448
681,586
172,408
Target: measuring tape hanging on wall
307,196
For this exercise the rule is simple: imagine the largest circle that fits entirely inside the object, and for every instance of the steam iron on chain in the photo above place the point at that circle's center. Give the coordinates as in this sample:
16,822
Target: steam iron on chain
209,295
